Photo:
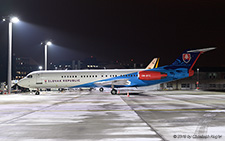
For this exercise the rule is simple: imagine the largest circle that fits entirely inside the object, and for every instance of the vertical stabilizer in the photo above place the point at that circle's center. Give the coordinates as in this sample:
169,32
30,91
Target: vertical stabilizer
188,59
154,64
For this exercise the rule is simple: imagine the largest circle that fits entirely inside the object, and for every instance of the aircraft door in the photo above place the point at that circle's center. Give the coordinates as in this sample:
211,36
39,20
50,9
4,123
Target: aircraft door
39,80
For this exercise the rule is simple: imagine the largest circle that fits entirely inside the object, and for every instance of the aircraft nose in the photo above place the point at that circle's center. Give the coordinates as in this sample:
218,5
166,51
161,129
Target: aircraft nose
21,83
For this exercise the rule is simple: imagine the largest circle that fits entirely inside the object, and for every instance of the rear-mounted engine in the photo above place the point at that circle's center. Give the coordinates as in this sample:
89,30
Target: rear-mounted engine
151,75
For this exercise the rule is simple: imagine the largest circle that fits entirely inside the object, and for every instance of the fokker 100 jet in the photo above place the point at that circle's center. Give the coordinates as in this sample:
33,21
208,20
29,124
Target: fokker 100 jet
115,78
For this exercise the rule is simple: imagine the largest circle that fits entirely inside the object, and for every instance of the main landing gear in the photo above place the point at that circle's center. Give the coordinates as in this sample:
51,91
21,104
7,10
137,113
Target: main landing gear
37,92
113,91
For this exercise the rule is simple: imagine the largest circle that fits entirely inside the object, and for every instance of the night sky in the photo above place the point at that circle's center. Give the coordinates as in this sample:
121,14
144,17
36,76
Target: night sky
116,30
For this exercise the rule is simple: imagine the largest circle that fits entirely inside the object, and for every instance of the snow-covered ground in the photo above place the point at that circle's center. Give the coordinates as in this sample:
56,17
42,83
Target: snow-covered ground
91,115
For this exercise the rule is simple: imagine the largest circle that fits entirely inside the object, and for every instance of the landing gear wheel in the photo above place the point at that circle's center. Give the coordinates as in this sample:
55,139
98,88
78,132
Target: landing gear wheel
113,91
60,89
37,93
101,89
91,89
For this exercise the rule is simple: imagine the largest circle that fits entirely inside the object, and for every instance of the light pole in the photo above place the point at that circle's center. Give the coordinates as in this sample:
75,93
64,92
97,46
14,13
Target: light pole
11,20
197,83
47,43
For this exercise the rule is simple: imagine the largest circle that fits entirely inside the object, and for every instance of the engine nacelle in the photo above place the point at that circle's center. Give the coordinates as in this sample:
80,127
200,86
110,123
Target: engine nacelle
151,75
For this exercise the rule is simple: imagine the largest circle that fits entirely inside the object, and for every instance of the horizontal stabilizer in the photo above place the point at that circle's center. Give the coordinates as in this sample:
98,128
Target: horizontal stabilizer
202,50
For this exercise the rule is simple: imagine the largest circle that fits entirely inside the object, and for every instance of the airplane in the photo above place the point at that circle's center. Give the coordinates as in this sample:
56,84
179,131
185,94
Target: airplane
34,79
115,78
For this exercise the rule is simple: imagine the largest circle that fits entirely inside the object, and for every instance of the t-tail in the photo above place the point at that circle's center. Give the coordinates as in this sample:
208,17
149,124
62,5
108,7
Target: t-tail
188,59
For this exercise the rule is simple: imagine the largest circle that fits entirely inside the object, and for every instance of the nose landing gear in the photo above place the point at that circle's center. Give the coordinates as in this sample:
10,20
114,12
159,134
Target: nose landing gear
101,89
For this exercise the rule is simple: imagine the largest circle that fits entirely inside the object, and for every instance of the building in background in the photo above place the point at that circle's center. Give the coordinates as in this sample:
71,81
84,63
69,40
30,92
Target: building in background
22,66
206,78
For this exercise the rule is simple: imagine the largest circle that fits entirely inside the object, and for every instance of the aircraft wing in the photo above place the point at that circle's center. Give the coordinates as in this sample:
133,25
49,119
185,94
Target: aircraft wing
113,82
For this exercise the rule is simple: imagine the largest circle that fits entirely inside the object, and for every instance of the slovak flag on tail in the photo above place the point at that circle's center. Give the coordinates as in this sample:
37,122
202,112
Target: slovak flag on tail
186,57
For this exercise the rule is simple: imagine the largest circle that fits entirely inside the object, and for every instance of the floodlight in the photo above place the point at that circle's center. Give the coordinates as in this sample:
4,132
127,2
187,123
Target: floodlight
14,20
49,43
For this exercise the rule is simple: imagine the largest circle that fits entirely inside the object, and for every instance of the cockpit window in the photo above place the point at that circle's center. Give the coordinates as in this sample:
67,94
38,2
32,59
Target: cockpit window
29,76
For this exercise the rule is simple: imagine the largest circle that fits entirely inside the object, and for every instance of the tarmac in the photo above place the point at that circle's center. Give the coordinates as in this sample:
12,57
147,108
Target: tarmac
95,116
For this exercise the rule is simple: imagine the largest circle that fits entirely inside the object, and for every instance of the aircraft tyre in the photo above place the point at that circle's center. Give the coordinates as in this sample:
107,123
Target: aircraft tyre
113,91
101,89
60,89
37,93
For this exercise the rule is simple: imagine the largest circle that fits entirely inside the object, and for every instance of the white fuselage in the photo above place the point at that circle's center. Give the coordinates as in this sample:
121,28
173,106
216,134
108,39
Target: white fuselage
71,78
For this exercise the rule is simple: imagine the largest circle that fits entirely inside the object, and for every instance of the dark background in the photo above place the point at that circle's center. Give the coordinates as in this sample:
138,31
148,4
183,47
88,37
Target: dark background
115,30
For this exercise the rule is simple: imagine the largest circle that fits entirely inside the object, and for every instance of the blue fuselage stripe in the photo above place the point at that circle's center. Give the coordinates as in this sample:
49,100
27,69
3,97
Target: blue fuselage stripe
172,74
